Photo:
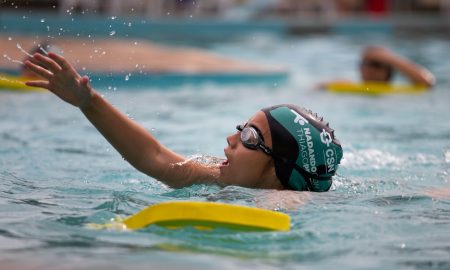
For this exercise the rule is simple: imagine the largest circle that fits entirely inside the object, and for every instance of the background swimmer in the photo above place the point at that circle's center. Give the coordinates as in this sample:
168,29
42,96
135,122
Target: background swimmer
280,147
378,64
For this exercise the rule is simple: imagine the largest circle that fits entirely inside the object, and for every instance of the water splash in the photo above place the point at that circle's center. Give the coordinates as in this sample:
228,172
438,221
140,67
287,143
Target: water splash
22,50
12,60
447,156
43,50
209,161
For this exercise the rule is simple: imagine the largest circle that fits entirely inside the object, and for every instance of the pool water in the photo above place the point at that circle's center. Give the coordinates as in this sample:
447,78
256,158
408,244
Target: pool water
57,173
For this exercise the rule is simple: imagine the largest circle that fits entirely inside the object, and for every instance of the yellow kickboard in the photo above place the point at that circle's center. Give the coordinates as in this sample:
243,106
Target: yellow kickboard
374,88
207,216
14,83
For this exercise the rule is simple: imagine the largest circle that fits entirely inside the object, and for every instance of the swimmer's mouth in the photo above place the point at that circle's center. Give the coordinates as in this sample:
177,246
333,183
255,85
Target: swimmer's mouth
225,162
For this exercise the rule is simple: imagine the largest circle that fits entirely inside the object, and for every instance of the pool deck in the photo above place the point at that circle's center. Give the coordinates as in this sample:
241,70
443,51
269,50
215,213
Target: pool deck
112,56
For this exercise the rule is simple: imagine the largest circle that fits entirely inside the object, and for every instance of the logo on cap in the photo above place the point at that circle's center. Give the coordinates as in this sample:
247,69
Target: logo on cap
325,137
299,119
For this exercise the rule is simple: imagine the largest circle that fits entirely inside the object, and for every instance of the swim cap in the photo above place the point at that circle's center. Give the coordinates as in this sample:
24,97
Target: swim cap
306,153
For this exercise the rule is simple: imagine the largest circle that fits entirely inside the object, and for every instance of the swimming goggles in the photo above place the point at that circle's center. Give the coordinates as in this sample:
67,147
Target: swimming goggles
252,138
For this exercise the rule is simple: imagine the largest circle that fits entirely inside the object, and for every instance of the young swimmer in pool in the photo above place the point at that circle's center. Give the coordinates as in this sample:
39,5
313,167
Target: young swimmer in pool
378,65
280,147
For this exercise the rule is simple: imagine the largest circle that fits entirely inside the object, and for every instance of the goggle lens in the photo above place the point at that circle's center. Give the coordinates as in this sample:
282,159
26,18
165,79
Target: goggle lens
250,137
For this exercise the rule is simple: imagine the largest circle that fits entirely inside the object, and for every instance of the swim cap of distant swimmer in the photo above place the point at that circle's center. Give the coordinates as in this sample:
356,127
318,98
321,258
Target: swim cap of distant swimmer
306,153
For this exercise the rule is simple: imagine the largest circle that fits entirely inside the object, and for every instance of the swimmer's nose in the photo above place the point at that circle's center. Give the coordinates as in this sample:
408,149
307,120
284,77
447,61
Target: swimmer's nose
231,140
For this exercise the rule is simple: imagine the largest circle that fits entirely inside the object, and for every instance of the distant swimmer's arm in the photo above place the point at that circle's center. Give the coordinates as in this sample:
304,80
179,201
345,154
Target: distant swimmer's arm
131,140
416,73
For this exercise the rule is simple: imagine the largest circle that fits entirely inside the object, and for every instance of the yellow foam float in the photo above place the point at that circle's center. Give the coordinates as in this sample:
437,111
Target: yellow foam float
204,216
15,83
374,88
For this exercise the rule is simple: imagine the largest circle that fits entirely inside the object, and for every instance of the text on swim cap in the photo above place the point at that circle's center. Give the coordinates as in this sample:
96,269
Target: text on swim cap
307,149
306,143
330,160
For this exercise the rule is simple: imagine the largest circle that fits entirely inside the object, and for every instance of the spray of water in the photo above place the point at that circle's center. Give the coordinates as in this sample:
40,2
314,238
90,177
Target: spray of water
22,50
12,60
43,50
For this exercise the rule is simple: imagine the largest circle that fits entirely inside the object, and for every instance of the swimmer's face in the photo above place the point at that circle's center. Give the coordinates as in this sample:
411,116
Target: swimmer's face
374,71
247,167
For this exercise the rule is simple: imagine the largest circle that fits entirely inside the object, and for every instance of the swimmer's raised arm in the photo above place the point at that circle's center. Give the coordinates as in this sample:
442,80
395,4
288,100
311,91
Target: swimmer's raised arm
417,74
131,140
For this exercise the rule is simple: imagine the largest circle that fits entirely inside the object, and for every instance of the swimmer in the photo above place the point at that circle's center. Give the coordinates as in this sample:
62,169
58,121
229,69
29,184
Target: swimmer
378,65
282,147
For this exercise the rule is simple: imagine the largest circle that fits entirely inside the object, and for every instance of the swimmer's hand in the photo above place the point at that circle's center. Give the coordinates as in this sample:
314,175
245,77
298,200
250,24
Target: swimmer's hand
60,78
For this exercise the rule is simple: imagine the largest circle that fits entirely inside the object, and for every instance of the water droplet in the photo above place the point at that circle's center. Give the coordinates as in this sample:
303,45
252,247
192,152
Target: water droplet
42,20
127,77
113,17
9,38
112,33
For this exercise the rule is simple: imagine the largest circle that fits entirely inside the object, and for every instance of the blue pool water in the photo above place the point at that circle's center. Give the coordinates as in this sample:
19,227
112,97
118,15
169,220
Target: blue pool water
57,173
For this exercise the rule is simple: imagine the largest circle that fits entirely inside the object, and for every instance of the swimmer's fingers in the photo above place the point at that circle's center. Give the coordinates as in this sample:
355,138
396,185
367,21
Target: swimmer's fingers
62,62
41,84
47,62
38,70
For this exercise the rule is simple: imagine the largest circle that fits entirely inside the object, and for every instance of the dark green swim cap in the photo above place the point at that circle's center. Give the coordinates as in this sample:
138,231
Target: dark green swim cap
306,153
